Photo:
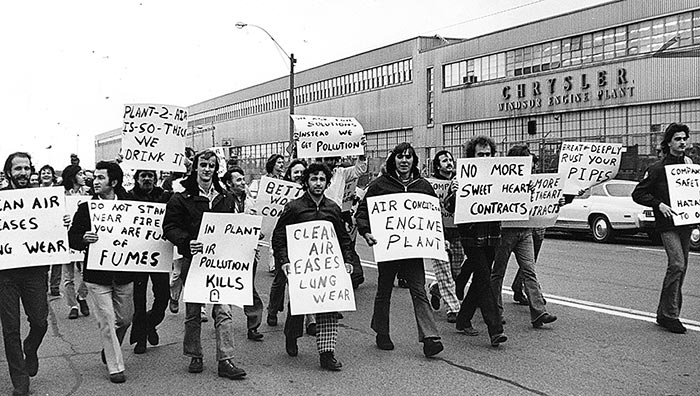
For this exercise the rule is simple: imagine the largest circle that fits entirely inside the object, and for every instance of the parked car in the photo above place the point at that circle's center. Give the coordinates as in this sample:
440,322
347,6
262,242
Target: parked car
607,210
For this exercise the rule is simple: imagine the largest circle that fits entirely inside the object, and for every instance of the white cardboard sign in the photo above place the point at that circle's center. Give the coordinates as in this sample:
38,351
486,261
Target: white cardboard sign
684,192
328,136
442,189
547,188
586,164
273,194
72,202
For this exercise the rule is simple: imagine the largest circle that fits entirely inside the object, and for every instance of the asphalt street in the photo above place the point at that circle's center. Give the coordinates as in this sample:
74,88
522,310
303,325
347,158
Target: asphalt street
604,343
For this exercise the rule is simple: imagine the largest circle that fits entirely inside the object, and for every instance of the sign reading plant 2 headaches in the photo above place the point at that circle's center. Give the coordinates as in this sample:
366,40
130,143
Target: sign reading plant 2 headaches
493,189
328,136
223,272
318,281
684,193
586,164
406,225
153,137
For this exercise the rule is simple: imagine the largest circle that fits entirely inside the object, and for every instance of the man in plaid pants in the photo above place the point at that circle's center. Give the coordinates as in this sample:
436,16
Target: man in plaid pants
313,205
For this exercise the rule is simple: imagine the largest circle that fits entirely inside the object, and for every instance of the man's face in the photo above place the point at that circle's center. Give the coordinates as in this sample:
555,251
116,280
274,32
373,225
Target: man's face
447,163
205,168
296,173
34,179
237,183
678,143
20,171
45,176
146,180
482,150
102,184
404,162
88,175
317,184
279,165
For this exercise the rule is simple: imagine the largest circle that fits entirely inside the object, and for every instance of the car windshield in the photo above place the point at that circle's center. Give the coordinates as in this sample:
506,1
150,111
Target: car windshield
620,190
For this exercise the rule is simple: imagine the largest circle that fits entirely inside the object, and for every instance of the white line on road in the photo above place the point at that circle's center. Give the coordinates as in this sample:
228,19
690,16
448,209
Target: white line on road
585,305
657,250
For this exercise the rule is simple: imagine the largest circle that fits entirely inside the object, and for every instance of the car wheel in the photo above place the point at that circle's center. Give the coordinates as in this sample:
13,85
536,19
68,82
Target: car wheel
695,238
601,229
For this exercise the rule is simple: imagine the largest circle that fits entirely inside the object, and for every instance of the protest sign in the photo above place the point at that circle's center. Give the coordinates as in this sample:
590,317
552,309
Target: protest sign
221,155
493,189
349,193
318,281
31,227
273,194
442,189
72,202
153,137
545,196
684,193
406,225
328,136
130,237
223,272
586,164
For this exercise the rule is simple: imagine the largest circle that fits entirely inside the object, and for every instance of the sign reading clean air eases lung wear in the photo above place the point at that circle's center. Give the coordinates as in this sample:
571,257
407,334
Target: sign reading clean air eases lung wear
31,227
684,192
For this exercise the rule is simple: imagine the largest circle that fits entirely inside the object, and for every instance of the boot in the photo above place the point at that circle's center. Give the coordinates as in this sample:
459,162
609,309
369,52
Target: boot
329,363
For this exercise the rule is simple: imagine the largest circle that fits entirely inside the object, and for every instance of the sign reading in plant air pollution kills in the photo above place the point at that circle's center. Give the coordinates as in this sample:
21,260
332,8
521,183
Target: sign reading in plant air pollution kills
31,227
223,272
406,225
545,196
130,237
442,189
153,137
328,136
684,193
586,164
318,281
493,189
273,194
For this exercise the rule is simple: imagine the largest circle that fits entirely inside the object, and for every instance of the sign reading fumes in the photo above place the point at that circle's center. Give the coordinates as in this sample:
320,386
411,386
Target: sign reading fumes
328,136
684,193
586,164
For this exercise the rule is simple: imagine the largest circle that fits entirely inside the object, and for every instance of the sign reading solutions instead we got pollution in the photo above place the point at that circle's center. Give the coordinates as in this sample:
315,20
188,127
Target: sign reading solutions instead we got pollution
223,272
493,189
328,136
586,164
153,137
130,237
273,194
546,191
406,225
318,281
684,193
31,227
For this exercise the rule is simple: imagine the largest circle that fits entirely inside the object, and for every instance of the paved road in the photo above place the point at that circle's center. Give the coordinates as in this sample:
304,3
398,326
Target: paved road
604,343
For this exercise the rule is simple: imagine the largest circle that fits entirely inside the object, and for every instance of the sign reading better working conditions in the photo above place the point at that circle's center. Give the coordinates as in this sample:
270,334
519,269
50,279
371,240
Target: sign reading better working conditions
153,137
273,194
406,225
684,193
493,189
223,272
585,164
328,136
31,228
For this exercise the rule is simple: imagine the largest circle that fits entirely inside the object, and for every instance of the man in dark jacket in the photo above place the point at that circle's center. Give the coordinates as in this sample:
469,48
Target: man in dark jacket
653,191
145,322
111,292
313,205
402,175
183,217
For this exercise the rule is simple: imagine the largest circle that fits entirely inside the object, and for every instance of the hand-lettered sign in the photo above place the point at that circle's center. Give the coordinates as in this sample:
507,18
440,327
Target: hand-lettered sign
223,272
684,193
130,237
32,232
72,202
586,164
221,155
273,194
153,137
493,189
546,191
406,225
328,136
318,281
442,189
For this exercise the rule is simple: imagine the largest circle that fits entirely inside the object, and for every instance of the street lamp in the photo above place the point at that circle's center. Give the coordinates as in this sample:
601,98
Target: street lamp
292,61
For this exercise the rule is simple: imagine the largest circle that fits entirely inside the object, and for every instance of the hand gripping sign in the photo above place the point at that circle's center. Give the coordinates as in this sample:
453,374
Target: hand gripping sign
586,164
328,136
684,193
318,281
223,272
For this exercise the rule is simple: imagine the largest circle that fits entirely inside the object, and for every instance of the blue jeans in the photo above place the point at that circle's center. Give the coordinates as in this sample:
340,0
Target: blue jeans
518,241
413,272
677,245
28,285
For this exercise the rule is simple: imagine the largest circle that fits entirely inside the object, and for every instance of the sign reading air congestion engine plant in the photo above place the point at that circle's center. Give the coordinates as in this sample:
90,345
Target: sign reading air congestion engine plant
586,164
153,137
318,281
406,225
31,227
493,189
223,272
684,193
328,136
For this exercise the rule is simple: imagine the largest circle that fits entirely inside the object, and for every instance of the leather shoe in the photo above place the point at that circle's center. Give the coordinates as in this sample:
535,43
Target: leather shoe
384,342
672,325
520,298
329,363
432,347
73,313
435,302
174,306
140,348
311,329
196,365
271,319
468,329
254,335
542,319
290,344
153,337
229,370
84,309
117,378
31,362
498,339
